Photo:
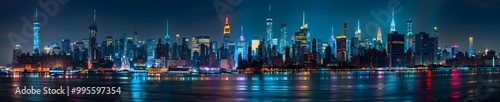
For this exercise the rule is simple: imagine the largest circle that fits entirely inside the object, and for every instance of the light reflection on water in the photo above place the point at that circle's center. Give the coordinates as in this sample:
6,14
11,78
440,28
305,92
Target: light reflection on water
419,85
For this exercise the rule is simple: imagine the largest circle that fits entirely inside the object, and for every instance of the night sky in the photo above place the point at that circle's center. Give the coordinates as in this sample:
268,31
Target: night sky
456,19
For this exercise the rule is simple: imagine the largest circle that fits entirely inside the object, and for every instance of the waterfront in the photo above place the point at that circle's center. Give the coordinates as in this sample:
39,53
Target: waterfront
412,85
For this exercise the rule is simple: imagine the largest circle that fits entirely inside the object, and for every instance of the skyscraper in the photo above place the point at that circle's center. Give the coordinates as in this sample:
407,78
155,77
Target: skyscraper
227,31
357,33
342,45
66,47
241,44
269,28
471,39
36,34
395,46
379,43
283,40
423,49
333,43
166,39
305,29
435,41
18,50
255,44
93,40
393,24
409,35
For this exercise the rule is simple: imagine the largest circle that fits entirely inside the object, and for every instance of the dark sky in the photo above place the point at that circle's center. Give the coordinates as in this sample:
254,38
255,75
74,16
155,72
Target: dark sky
456,19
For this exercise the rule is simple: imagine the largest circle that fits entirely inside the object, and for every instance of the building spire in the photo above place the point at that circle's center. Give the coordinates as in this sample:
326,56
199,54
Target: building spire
332,32
94,14
332,38
379,34
242,38
36,14
269,10
358,25
435,31
345,29
303,17
166,35
393,24
227,21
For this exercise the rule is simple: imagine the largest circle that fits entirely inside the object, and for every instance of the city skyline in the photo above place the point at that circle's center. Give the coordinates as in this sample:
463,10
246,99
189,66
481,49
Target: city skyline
72,23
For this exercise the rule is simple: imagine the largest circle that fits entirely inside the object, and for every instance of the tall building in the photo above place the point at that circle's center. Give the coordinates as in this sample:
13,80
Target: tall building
333,43
435,42
356,43
227,31
269,28
255,44
396,49
93,40
342,45
66,47
36,34
301,39
357,33
214,48
471,42
241,44
167,38
409,35
393,24
150,47
18,50
305,29
283,40
379,43
424,49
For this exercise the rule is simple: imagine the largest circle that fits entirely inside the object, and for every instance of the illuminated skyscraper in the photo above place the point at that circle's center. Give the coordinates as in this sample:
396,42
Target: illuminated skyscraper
166,39
379,44
333,43
393,24
471,39
269,28
409,35
358,33
227,31
36,34
241,44
283,40
255,44
435,42
93,40
305,29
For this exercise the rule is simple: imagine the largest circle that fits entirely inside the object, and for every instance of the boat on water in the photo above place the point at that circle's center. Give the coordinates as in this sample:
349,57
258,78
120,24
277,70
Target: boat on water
56,71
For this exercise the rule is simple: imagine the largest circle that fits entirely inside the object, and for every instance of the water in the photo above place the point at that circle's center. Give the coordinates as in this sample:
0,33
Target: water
417,85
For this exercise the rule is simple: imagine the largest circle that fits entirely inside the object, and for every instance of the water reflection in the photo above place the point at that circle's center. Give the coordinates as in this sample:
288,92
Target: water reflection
402,85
